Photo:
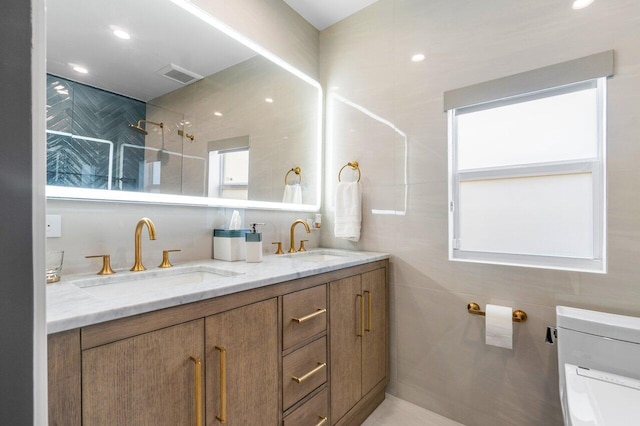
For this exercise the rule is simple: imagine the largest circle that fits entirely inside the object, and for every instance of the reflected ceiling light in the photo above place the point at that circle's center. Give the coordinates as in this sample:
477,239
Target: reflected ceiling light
268,100
79,68
59,87
217,114
581,4
121,34
419,57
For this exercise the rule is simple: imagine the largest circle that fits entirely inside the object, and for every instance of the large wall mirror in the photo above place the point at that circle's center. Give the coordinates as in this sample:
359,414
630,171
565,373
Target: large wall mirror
157,101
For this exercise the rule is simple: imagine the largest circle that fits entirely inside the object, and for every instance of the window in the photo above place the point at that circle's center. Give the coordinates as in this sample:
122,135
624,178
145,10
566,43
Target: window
527,179
229,168
229,174
235,174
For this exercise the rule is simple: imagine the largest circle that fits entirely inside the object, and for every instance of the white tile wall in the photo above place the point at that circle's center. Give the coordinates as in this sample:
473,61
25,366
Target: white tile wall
439,359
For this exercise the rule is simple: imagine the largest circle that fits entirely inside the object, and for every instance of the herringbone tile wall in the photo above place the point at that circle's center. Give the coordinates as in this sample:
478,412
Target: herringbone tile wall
86,112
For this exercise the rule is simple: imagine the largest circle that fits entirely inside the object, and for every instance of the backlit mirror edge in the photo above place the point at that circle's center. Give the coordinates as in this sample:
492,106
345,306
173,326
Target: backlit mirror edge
100,195
85,194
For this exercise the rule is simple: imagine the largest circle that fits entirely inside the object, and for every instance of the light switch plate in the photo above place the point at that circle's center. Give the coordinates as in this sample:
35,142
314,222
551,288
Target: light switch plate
54,226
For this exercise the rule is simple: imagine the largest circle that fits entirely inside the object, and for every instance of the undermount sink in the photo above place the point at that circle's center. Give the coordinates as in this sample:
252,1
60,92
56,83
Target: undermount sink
318,255
127,284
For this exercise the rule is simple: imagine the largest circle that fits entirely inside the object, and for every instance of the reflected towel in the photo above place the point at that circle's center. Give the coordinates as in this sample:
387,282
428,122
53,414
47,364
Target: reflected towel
348,211
292,194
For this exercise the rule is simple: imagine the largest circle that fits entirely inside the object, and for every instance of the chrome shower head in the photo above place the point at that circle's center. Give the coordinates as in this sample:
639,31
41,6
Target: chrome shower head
138,127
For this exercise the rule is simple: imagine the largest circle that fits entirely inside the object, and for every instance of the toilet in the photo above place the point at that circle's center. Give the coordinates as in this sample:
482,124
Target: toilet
599,367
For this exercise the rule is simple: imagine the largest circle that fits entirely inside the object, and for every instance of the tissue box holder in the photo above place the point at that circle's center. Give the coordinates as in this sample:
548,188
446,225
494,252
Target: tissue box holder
229,244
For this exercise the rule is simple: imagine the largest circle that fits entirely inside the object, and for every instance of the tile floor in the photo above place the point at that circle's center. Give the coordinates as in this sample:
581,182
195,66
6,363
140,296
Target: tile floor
395,411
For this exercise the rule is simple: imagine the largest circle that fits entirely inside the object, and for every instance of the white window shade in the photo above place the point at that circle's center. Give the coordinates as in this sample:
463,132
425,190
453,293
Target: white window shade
557,128
541,216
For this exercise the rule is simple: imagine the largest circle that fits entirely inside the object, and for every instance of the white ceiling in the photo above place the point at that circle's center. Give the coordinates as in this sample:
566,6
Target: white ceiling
324,13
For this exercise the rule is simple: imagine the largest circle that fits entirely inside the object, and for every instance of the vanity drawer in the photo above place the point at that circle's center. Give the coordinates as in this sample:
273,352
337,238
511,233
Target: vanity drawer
314,412
303,371
303,315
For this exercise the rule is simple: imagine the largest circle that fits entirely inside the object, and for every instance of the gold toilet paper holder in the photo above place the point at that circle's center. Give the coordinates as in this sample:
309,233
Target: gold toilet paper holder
474,309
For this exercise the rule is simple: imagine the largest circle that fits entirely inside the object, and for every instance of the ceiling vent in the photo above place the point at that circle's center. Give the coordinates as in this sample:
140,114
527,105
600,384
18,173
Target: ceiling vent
179,74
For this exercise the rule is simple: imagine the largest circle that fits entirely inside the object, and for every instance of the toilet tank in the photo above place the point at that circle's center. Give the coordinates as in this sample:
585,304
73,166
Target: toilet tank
606,347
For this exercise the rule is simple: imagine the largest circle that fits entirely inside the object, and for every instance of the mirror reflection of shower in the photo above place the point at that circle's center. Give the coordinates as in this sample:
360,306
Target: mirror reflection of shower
162,156
138,127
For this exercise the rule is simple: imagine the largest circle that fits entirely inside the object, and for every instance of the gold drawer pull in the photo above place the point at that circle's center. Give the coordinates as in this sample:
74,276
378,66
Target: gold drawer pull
361,315
310,316
322,421
223,385
197,368
320,366
369,327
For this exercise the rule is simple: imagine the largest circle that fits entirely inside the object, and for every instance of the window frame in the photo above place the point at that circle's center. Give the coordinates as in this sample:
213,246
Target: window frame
596,166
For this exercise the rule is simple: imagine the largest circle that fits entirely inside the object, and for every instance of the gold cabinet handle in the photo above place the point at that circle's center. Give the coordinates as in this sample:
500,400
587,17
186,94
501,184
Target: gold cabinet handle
223,384
361,315
369,327
301,379
165,258
310,316
322,421
197,368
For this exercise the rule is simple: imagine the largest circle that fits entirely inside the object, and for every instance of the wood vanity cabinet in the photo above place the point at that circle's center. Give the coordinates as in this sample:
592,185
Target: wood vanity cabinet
358,312
149,379
296,353
242,344
152,378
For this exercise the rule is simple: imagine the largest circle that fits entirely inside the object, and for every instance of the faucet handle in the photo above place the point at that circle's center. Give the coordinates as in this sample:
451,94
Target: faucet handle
106,264
165,258
302,248
279,251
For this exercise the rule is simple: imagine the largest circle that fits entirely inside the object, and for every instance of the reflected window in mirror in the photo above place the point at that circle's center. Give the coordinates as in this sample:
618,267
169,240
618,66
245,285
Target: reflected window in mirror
229,174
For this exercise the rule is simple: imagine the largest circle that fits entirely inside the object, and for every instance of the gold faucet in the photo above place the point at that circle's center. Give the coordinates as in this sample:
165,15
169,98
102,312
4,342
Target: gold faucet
292,249
138,266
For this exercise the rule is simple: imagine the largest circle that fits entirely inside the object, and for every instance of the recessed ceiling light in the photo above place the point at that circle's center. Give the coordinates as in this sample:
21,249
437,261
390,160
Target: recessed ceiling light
121,34
217,114
268,100
581,4
418,57
79,68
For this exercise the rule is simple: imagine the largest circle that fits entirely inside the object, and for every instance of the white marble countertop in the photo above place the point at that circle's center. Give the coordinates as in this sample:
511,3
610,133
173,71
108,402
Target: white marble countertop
85,299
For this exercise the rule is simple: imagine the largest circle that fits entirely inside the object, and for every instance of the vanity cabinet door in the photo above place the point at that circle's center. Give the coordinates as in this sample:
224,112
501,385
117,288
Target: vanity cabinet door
148,379
358,335
345,298
374,343
242,366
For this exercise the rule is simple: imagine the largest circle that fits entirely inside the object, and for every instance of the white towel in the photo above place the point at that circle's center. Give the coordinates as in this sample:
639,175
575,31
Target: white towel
348,211
292,194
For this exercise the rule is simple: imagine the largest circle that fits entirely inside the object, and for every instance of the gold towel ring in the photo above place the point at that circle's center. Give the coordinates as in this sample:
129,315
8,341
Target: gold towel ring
296,170
354,166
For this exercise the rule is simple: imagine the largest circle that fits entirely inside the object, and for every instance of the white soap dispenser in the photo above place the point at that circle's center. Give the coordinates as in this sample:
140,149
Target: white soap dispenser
253,241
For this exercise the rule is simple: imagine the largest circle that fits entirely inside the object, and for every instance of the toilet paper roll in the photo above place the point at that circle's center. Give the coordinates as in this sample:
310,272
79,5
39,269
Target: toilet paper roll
499,326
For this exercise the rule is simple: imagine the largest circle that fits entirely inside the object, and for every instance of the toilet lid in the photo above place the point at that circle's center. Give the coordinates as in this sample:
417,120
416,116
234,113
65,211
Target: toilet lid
600,398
